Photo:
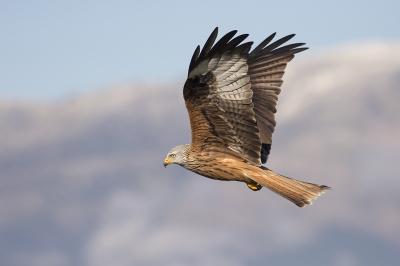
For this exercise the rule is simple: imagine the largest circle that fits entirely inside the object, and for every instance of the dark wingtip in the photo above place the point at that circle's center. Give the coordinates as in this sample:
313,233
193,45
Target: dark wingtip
194,59
286,48
290,36
209,43
221,43
298,50
262,44
233,43
325,187
215,32
265,151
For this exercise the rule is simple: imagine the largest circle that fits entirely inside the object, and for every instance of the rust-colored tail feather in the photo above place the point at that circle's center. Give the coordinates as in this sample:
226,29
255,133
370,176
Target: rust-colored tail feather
298,192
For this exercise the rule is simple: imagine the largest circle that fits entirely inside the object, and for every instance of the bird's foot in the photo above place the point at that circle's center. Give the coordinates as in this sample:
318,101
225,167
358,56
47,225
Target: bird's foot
254,186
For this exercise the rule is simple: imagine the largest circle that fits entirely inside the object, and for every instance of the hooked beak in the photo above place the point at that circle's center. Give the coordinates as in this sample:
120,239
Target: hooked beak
167,162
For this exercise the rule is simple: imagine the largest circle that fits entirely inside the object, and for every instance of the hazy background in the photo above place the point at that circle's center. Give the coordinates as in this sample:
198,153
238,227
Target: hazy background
53,49
91,103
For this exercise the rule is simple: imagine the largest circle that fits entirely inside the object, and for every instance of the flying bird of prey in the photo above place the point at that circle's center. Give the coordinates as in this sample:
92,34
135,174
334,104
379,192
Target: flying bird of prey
231,96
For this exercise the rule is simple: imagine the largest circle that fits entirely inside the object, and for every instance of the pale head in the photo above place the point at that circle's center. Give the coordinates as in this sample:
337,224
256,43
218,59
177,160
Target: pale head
177,155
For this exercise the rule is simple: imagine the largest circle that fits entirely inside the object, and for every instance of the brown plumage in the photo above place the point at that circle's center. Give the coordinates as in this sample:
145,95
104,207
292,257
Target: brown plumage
231,98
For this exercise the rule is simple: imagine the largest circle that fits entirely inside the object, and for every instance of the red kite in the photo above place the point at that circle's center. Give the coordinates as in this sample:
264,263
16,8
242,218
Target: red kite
231,96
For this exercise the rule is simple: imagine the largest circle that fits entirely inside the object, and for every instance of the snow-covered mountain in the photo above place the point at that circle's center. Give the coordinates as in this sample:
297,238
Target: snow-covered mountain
82,181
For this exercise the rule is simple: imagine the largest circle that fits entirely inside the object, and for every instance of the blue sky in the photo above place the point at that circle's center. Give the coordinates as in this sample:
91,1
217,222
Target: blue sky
53,49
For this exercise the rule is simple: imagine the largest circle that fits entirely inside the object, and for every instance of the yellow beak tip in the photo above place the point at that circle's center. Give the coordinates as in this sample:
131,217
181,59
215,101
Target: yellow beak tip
166,162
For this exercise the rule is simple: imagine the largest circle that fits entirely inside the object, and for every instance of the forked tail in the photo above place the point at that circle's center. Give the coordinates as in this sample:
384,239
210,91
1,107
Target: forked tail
298,192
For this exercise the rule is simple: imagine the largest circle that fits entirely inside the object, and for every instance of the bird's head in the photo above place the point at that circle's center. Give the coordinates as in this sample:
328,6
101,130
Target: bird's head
177,155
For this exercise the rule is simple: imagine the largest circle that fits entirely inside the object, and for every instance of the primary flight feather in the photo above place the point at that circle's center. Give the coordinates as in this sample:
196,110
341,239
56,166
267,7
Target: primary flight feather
231,96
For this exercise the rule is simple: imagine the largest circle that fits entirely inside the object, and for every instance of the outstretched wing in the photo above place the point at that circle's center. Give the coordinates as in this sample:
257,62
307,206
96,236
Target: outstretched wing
223,106
266,69
217,94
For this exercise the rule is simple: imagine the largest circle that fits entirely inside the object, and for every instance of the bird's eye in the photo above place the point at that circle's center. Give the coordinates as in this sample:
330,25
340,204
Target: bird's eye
173,155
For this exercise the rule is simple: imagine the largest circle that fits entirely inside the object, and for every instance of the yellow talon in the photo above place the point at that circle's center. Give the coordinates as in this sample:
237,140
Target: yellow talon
254,187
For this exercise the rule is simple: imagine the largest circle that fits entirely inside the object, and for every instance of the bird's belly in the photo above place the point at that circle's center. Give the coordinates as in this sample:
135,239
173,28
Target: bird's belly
221,171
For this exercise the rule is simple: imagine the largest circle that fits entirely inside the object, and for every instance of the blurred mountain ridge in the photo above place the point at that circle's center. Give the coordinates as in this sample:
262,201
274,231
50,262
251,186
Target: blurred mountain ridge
82,181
